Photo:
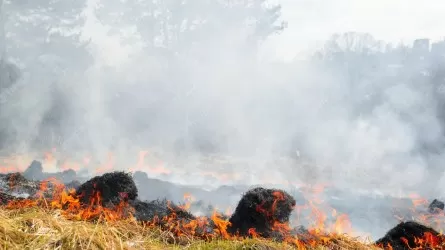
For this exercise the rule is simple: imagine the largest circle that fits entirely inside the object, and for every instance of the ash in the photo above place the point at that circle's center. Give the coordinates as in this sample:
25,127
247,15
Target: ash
18,186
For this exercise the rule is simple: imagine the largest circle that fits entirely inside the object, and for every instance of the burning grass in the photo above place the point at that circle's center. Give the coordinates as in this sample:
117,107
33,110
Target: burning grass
39,228
104,213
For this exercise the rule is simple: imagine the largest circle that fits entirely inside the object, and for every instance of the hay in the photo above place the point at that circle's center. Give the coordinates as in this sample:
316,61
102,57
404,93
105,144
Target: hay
36,228
161,224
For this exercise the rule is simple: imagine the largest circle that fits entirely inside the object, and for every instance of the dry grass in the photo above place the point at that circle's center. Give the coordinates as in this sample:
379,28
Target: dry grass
35,228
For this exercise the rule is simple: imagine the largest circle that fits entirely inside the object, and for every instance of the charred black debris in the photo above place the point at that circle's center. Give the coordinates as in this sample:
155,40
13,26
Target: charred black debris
436,206
261,208
112,188
404,235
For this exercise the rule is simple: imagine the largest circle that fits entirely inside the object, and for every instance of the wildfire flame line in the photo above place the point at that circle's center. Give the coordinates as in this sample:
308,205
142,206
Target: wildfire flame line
68,202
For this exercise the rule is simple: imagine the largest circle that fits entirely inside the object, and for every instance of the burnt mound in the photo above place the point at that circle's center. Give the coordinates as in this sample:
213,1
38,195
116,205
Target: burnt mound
404,235
147,210
113,187
34,172
436,206
261,208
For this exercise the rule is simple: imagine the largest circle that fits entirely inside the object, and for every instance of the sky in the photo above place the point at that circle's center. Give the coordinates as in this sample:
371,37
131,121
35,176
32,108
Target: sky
312,21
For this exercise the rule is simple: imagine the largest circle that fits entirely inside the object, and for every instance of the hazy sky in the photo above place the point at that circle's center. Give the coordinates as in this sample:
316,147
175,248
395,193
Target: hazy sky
312,21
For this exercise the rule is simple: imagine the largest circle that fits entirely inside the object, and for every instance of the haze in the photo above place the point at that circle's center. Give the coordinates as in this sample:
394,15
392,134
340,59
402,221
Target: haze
206,90
311,22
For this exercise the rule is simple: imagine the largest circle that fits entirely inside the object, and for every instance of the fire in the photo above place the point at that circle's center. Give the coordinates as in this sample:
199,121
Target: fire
417,200
253,233
49,157
429,239
327,222
13,164
342,225
70,204
221,225
188,198
431,219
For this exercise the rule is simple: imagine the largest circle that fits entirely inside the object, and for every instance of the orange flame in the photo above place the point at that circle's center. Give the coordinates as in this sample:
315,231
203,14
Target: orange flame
69,203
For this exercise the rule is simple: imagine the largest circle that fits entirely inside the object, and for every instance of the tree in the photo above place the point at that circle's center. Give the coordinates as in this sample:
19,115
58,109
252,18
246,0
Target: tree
44,38
52,26
350,49
355,58
193,39
9,72
181,26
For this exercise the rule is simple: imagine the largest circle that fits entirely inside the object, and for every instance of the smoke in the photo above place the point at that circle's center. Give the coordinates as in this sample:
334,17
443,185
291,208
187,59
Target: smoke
207,94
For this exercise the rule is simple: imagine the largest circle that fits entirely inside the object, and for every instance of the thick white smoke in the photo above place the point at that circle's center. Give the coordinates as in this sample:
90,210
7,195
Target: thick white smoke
206,93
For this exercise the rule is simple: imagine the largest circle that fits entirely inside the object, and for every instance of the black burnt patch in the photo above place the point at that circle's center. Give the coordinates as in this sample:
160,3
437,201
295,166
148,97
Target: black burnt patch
111,187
